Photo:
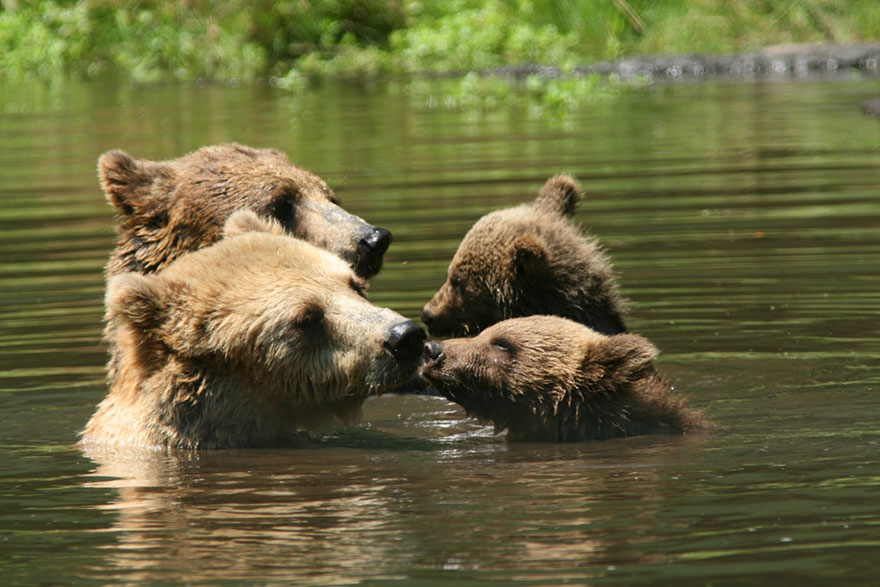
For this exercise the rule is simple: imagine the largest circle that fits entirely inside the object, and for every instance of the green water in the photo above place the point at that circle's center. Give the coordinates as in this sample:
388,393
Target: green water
744,220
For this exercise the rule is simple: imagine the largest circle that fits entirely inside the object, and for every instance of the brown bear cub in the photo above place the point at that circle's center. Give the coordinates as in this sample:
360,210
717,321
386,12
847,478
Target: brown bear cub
545,378
245,343
528,260
168,208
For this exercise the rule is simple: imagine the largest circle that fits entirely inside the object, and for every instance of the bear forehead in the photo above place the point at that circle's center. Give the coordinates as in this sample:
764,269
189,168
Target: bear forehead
543,332
261,261
245,165
490,239
499,229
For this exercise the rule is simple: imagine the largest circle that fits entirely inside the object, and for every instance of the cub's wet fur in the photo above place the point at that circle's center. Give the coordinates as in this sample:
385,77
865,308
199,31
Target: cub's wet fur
545,378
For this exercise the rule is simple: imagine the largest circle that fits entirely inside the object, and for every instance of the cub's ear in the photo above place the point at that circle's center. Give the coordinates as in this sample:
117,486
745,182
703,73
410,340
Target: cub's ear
620,358
141,300
559,195
529,255
246,220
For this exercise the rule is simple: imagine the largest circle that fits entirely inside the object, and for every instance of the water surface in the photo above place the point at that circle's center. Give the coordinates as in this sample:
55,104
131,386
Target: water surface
744,220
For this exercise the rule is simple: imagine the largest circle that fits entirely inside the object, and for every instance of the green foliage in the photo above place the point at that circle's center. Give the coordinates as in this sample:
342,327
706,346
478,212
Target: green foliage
484,35
475,91
140,40
238,39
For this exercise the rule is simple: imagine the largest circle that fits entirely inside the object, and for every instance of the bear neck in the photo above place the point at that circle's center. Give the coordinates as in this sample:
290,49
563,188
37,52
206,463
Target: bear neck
594,412
146,247
641,406
207,403
191,405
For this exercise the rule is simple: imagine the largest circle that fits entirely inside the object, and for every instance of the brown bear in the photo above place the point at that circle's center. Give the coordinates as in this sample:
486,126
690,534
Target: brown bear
545,378
245,343
168,208
528,260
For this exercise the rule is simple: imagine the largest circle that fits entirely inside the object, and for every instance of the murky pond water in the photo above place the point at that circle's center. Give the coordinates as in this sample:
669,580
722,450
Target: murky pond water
745,222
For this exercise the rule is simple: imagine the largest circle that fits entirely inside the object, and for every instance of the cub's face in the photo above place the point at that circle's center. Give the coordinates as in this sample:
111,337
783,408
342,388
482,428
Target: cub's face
274,311
493,265
466,303
517,363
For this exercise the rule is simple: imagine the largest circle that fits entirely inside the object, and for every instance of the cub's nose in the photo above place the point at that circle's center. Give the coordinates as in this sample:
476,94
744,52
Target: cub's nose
428,318
405,340
433,352
375,242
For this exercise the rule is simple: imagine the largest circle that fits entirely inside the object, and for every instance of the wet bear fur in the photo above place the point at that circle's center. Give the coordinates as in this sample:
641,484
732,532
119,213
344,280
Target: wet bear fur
169,208
249,342
527,260
545,378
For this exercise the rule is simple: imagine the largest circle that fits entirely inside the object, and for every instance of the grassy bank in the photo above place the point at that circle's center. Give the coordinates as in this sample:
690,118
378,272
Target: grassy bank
292,40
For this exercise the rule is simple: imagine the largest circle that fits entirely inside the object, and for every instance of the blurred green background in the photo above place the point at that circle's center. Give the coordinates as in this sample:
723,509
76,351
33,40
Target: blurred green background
242,40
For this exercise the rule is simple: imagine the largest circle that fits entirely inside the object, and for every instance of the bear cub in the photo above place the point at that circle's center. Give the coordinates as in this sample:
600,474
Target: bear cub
545,378
246,343
527,260
168,208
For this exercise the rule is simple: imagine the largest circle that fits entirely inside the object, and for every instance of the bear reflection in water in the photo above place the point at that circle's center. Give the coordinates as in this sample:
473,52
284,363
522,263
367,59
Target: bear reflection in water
247,342
545,378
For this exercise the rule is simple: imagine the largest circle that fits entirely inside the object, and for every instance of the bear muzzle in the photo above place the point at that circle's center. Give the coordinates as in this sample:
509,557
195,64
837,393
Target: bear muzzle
433,352
432,360
370,249
405,341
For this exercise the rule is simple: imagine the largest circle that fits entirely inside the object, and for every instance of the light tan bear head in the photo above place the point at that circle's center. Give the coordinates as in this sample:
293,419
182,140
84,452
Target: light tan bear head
246,342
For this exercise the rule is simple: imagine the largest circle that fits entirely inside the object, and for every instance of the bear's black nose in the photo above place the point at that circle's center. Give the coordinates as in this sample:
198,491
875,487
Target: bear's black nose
405,340
375,242
433,351
370,249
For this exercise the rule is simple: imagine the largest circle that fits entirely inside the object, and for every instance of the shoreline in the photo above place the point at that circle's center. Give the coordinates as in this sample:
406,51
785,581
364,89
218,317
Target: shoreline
778,61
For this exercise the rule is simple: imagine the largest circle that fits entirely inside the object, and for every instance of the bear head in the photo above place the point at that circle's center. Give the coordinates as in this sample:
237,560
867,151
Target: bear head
546,378
245,342
527,260
168,208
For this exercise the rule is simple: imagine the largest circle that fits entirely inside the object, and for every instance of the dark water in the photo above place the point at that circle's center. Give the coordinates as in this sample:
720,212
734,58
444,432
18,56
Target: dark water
745,222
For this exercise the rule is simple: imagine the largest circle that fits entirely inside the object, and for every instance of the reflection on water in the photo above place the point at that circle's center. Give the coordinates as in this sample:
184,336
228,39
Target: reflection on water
302,515
744,220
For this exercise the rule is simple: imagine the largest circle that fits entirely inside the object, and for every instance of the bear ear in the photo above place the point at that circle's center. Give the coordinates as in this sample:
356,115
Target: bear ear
246,220
621,357
529,254
127,181
139,299
559,195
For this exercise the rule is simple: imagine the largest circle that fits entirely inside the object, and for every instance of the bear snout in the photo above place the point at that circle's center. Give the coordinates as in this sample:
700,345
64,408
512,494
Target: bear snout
438,324
433,352
405,341
370,249
375,242
428,317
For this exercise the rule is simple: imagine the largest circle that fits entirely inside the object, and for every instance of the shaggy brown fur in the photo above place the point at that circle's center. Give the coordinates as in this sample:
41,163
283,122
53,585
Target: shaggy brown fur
545,378
168,208
246,342
528,260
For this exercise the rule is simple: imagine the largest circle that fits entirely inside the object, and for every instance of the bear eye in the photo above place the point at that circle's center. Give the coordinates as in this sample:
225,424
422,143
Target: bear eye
308,316
358,286
502,344
283,210
455,282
